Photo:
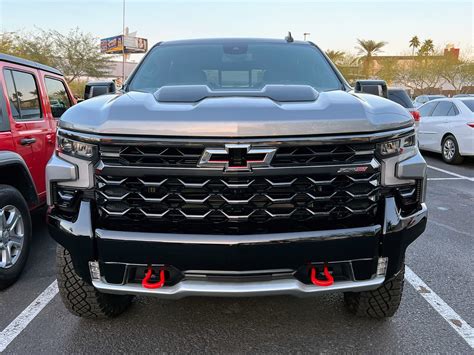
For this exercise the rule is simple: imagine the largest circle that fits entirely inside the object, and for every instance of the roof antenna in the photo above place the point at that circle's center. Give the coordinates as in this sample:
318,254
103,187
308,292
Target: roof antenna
289,38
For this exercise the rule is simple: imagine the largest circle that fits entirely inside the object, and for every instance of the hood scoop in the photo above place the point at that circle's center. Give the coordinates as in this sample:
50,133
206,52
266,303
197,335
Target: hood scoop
196,93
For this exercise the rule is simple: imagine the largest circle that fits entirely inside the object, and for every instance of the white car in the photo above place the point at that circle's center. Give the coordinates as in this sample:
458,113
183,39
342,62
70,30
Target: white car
447,126
423,99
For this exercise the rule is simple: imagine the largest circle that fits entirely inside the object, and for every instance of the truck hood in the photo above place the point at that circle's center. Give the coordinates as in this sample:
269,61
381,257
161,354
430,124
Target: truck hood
138,113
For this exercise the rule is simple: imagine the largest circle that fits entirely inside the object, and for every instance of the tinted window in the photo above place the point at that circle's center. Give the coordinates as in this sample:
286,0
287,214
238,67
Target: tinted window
58,97
231,66
453,111
426,109
442,109
23,95
469,104
400,97
12,96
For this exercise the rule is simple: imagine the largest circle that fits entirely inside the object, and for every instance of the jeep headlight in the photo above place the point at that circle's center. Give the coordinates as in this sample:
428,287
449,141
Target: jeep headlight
397,146
76,149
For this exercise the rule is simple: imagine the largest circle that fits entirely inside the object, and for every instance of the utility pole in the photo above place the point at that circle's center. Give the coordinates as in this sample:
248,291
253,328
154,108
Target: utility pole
304,34
123,43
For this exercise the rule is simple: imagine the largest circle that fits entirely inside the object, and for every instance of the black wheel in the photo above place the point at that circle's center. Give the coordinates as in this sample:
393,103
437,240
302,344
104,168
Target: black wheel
15,234
379,303
450,150
80,297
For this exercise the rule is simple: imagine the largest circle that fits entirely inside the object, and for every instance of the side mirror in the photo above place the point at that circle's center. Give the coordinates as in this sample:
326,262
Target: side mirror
97,88
374,87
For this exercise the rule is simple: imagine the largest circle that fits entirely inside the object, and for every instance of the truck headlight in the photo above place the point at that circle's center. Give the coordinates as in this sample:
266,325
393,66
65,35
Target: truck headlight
76,149
396,147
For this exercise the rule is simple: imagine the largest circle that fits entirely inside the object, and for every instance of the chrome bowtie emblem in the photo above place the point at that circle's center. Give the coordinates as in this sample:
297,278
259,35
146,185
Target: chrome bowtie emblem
236,157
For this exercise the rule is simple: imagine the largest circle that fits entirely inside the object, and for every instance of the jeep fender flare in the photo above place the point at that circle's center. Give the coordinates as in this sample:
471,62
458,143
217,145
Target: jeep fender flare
23,181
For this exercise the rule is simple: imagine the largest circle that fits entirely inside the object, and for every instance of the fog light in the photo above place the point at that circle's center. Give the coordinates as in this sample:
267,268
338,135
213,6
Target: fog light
382,266
94,270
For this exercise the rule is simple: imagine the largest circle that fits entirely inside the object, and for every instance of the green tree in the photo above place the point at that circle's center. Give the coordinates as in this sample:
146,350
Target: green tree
368,49
426,48
414,44
336,56
75,53
78,54
389,71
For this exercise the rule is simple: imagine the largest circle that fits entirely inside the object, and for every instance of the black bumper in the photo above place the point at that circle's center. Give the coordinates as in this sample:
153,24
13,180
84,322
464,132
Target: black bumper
243,253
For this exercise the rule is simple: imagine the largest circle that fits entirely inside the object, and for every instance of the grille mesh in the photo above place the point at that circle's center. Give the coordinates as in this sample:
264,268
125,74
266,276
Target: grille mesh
237,205
188,157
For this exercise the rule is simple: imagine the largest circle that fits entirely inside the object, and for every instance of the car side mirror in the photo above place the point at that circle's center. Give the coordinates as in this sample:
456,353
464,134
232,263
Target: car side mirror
374,87
97,88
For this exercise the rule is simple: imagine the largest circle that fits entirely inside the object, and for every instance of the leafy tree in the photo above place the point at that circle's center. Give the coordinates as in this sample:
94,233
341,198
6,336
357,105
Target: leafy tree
457,73
6,43
368,49
422,76
389,71
414,44
336,56
75,53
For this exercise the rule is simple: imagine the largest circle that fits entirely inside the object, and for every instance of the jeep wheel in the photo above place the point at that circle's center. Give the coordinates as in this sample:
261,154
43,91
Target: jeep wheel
15,234
379,303
450,151
80,297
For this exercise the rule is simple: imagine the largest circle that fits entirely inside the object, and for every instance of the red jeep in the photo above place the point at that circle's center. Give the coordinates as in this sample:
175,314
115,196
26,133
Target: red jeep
32,98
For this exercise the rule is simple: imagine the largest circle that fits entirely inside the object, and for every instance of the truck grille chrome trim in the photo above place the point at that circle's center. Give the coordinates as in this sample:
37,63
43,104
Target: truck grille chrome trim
288,286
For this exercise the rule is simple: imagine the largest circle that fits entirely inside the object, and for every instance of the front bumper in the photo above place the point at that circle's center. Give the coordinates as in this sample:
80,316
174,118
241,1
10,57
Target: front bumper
116,252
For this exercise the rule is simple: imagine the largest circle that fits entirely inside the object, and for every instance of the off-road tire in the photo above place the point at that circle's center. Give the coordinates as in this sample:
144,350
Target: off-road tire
380,303
80,297
11,196
457,158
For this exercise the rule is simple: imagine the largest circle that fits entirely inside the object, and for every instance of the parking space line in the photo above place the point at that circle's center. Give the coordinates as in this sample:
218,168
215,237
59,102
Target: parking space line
454,320
452,229
450,173
29,313
442,179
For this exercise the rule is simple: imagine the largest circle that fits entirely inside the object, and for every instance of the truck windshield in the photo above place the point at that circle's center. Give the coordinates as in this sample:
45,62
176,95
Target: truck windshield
235,66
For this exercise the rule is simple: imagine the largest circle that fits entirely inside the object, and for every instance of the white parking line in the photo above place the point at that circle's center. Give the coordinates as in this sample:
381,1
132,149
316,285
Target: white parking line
454,320
442,179
19,323
451,173
452,229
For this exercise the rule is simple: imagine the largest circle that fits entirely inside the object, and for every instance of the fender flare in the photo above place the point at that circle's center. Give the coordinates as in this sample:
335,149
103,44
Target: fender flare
12,159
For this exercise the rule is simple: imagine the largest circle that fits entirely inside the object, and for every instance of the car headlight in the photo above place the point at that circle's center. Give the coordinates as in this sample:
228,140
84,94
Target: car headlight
76,149
397,146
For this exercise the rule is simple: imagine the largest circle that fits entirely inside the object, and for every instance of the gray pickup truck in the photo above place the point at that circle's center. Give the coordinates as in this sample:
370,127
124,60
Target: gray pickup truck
235,167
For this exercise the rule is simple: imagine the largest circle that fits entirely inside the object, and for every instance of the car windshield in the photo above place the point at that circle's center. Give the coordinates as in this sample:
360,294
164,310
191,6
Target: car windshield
234,66
469,104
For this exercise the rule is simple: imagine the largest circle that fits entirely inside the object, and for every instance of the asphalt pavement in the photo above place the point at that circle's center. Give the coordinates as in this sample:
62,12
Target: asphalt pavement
442,258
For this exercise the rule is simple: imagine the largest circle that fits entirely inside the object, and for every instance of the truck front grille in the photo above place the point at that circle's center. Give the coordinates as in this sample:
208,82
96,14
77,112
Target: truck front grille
188,157
237,204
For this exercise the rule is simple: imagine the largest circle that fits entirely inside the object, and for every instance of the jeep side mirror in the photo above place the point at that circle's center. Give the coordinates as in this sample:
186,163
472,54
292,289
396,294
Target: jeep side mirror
374,87
97,88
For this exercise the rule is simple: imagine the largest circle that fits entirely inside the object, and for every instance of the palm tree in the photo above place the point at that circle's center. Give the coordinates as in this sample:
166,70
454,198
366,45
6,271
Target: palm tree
368,48
335,56
427,47
414,44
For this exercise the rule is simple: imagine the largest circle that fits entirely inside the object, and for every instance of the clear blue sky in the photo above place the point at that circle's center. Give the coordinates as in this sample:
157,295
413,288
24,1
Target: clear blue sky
333,24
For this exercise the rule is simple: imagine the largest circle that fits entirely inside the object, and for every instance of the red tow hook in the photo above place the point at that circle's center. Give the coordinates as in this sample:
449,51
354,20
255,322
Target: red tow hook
148,275
329,279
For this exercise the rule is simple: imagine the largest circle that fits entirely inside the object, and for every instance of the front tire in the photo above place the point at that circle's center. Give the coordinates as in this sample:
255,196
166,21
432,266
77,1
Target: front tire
15,234
380,303
80,297
450,150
